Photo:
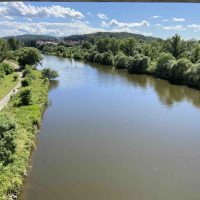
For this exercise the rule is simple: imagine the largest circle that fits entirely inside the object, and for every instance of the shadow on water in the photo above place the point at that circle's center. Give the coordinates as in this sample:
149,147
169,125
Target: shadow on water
167,93
54,84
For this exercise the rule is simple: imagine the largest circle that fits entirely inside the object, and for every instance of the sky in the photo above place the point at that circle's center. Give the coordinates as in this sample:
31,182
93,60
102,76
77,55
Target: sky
68,18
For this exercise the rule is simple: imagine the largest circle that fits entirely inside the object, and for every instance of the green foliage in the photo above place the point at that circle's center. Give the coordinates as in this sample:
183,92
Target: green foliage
15,77
175,46
107,58
25,97
27,70
164,65
27,120
7,137
121,62
29,56
6,69
26,82
179,69
138,64
49,73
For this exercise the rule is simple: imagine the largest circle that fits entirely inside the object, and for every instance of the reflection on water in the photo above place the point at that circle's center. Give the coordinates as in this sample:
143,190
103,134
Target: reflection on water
168,94
112,136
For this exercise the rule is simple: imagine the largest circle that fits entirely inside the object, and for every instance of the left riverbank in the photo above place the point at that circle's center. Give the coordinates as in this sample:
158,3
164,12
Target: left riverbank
26,119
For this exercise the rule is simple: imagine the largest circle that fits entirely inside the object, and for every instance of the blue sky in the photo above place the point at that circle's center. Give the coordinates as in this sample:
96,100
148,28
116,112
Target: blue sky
62,19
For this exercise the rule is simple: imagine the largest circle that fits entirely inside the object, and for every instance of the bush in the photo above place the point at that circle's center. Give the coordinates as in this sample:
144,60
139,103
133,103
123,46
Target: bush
179,69
121,62
27,70
138,64
90,57
164,65
15,77
98,58
49,73
7,137
25,97
6,68
192,76
26,82
107,58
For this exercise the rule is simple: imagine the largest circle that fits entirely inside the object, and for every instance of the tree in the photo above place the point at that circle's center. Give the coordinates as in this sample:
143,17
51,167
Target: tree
128,46
7,138
13,43
29,56
49,73
175,46
195,53
4,47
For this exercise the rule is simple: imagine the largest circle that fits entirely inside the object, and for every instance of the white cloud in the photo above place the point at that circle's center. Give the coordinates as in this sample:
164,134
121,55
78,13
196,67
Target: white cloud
114,23
195,27
102,16
178,19
166,20
176,27
46,28
156,16
20,9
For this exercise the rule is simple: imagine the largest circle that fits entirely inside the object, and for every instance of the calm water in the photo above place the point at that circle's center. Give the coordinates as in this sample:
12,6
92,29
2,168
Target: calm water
112,136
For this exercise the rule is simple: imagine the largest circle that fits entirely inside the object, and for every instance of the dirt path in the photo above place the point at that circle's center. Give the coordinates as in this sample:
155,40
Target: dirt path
6,99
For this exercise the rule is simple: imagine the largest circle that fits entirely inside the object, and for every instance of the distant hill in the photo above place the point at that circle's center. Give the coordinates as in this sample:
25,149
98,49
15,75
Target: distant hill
108,34
29,37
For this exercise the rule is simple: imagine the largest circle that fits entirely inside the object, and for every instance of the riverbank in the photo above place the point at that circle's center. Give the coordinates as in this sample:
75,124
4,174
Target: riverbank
27,119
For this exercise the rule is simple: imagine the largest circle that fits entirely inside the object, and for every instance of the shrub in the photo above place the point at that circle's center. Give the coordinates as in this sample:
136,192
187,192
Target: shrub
6,68
26,82
121,61
98,58
179,69
192,76
107,58
49,73
7,137
27,70
164,65
15,77
25,97
138,64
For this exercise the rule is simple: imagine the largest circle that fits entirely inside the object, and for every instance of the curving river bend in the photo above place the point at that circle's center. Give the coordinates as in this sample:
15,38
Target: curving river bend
112,136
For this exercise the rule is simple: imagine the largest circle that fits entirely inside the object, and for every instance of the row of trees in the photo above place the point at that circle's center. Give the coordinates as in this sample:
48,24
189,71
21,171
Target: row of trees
173,59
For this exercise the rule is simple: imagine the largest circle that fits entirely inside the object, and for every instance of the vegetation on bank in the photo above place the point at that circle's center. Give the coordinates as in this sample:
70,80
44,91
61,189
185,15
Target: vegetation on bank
8,79
20,118
19,122
173,59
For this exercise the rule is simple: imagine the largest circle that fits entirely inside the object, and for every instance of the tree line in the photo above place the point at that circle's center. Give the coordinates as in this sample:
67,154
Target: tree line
173,59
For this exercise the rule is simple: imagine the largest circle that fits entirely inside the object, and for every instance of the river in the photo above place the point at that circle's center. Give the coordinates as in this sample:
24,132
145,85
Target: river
111,136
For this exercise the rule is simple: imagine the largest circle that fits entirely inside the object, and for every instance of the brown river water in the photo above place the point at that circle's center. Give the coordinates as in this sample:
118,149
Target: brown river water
111,136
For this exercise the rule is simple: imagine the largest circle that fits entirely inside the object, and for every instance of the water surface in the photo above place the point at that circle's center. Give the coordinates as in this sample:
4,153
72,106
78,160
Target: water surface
112,136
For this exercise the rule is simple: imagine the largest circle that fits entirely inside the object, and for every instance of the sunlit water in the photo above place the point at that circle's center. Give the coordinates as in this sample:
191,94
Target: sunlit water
112,136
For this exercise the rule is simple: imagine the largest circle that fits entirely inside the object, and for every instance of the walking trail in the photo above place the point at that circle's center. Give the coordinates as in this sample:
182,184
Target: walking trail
6,99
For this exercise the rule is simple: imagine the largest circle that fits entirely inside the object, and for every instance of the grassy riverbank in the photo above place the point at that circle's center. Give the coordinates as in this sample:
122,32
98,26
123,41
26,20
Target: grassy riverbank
27,119
6,84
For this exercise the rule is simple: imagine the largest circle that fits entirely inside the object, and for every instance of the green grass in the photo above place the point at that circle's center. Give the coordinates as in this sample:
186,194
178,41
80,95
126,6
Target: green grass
7,84
12,175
